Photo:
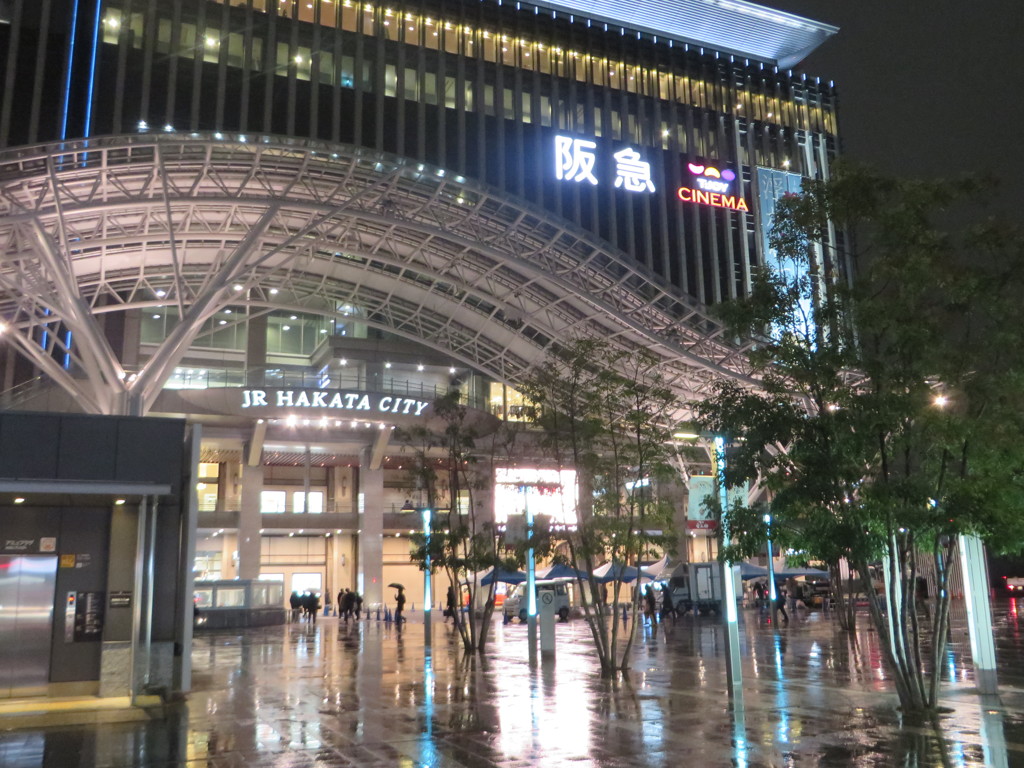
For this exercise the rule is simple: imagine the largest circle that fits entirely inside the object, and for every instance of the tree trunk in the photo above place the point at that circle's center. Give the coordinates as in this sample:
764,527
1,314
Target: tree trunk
845,604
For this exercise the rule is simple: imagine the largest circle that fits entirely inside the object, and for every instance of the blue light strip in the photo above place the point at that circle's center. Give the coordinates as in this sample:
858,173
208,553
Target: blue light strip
428,593
67,354
92,66
67,78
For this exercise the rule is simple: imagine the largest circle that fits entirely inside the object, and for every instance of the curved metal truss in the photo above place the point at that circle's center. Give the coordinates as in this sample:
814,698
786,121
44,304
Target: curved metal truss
202,222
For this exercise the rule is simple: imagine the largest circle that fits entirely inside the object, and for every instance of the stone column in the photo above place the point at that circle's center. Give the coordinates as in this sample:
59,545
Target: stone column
256,350
371,526
249,523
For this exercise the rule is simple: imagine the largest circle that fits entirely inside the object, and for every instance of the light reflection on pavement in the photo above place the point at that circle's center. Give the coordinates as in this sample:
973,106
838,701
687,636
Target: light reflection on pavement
363,694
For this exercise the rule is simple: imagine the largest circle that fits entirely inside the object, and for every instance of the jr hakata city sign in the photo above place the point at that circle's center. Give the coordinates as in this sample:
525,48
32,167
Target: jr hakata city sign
332,400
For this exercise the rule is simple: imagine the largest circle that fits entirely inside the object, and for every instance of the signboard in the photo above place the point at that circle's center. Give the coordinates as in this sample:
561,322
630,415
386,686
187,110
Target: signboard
83,617
121,598
335,401
711,186
576,160
772,186
698,517
582,161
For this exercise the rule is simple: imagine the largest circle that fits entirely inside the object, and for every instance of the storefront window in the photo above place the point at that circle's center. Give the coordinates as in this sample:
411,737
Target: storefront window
273,502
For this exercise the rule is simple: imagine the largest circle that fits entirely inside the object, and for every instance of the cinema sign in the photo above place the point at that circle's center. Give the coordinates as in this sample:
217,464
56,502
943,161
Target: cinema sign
710,186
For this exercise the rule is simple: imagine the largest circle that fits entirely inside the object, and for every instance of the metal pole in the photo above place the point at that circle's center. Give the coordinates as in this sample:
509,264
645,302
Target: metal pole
428,595
150,569
772,596
140,545
979,613
531,582
734,665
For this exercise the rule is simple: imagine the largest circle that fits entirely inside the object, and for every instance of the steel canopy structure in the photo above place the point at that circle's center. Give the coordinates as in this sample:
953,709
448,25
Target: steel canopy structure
203,221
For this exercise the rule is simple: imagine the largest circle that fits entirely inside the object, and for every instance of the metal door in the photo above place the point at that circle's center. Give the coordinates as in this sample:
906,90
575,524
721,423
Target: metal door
27,584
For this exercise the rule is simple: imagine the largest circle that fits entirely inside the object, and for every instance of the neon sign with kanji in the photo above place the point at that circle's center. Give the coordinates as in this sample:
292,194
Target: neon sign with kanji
576,161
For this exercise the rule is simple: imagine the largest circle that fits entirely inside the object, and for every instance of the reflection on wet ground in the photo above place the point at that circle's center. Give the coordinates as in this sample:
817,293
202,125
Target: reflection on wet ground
363,694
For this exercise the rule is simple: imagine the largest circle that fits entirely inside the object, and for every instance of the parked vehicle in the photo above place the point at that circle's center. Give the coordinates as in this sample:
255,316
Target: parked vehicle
697,587
1014,584
515,602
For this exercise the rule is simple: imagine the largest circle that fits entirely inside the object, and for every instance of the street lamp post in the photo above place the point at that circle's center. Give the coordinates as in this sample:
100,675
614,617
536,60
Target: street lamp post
531,582
771,565
734,662
428,595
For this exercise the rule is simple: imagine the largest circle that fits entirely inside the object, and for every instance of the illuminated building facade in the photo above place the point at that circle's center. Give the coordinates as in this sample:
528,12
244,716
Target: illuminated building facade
296,223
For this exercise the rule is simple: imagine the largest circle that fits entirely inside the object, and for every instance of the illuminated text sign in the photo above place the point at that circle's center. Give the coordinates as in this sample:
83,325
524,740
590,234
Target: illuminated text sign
333,400
711,187
576,161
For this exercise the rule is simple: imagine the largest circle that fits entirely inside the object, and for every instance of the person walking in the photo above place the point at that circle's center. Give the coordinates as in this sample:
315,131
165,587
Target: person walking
348,603
451,605
357,604
667,608
296,605
341,603
399,607
314,606
652,605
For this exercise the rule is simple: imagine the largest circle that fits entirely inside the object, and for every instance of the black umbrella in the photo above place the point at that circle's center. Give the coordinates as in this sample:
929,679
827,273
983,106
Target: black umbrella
395,586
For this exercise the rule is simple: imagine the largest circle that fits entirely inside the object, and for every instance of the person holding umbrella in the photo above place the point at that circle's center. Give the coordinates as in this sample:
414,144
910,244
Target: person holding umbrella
399,604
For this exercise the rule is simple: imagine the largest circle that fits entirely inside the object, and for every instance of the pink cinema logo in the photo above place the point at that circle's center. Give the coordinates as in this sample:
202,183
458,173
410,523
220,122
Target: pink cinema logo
711,187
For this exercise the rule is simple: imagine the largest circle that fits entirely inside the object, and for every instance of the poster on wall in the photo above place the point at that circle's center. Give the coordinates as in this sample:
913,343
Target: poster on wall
698,516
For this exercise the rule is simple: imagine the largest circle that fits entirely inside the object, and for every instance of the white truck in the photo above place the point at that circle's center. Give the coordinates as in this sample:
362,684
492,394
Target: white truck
697,587
515,600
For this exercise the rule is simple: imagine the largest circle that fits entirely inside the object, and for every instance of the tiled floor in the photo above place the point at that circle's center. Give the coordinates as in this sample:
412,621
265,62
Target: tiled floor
366,695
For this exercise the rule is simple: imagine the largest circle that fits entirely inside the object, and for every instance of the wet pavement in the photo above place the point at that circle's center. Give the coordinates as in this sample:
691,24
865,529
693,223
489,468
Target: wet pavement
364,694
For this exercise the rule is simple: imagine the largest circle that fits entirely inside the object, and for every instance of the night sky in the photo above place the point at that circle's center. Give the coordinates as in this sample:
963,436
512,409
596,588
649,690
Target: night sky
927,88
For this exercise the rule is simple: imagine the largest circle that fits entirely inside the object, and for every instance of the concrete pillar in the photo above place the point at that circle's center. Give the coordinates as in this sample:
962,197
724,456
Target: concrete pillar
256,350
131,339
343,489
371,526
249,523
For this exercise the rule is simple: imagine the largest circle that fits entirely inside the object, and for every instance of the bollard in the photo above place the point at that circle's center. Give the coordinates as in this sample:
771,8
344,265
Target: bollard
625,617
378,613
387,616
412,607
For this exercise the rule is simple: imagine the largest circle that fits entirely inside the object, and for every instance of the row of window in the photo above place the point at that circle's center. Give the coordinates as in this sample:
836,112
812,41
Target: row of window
719,86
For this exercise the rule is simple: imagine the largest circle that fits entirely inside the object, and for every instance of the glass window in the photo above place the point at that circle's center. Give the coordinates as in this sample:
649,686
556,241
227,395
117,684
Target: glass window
209,470
316,502
207,566
390,80
307,582
273,502
229,597
203,598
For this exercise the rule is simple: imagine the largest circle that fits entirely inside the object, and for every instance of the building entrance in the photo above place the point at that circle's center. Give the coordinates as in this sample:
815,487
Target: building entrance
27,584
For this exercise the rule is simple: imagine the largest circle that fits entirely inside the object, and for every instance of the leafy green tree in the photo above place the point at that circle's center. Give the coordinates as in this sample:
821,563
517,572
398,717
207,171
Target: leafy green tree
602,412
463,541
889,418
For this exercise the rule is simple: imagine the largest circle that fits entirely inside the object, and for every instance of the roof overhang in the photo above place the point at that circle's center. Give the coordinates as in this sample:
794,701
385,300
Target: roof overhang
731,26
